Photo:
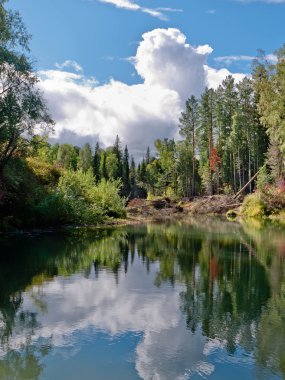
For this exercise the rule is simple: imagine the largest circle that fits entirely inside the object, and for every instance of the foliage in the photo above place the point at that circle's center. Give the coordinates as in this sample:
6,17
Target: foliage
22,107
253,206
85,158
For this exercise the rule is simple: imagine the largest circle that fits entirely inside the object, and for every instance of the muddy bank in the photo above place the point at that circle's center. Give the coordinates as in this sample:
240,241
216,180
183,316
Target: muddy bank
167,209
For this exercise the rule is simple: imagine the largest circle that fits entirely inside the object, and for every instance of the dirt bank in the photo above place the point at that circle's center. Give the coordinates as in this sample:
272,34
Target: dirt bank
140,210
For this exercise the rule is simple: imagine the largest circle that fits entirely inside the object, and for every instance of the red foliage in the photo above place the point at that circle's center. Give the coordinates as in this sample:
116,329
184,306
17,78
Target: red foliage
215,160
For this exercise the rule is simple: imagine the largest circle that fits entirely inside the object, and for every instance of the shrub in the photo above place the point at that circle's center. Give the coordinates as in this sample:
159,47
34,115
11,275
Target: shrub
86,203
253,206
106,194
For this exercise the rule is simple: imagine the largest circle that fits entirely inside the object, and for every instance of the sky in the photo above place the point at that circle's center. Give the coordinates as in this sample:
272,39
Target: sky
126,67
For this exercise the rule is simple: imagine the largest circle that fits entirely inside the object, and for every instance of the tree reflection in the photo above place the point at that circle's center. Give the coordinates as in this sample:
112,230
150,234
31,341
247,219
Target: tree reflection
232,281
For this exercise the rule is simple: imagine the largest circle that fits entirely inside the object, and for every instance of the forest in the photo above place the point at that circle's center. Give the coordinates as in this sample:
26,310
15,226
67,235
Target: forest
226,136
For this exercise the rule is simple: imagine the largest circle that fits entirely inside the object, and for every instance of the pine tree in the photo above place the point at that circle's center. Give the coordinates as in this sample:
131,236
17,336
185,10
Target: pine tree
269,84
225,109
206,138
126,187
96,163
133,178
103,166
118,152
147,156
189,122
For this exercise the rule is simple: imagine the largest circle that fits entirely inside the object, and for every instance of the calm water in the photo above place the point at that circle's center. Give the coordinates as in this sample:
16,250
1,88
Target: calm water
202,300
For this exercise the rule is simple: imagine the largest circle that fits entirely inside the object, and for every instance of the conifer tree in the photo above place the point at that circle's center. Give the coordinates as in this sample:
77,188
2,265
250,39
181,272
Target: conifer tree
96,163
126,187
189,123
133,178
103,166
118,152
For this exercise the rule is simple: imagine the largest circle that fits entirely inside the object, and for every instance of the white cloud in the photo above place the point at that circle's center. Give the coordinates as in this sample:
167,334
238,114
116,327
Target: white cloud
69,64
172,70
132,6
230,59
76,306
215,77
165,59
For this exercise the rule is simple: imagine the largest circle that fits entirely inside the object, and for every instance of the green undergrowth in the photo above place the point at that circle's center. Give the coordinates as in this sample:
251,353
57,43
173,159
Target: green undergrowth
270,202
38,194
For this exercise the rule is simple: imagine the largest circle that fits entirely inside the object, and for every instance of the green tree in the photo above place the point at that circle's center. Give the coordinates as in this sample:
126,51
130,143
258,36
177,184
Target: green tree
126,187
67,156
206,138
118,153
225,109
112,164
167,178
85,158
269,84
103,165
96,162
189,123
22,107
133,178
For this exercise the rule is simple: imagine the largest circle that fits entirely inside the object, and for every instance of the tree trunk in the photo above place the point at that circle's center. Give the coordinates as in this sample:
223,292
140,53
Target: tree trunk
247,184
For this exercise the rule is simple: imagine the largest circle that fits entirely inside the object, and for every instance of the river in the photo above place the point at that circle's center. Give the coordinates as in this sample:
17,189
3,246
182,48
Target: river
198,300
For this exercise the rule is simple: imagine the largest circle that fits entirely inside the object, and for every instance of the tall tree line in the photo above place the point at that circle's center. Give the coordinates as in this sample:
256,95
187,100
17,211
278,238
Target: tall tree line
224,143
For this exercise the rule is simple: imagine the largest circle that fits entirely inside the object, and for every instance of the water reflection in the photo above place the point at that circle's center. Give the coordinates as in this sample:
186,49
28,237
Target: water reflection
176,301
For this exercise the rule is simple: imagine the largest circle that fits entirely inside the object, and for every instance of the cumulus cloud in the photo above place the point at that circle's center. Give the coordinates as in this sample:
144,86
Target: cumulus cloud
216,76
171,69
164,59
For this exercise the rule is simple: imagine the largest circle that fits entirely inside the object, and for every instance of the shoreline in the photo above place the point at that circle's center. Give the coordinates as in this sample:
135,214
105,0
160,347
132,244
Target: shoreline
161,210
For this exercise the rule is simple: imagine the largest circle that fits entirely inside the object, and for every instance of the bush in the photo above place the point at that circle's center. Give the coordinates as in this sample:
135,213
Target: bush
106,194
77,200
53,210
253,206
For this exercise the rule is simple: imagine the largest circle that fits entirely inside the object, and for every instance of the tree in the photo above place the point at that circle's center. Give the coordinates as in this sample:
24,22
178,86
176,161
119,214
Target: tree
269,84
126,187
96,163
118,153
22,107
133,178
206,137
67,156
112,164
103,166
85,158
147,156
225,109
189,122
166,150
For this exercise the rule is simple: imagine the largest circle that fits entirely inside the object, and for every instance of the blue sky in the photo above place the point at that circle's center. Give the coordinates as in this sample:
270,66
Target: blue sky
102,35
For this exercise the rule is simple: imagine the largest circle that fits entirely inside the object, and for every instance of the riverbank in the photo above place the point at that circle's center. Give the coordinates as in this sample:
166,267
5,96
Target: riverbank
140,211
163,209
166,208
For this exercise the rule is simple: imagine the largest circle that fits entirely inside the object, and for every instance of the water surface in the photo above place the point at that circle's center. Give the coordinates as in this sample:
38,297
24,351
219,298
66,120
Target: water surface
197,300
